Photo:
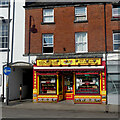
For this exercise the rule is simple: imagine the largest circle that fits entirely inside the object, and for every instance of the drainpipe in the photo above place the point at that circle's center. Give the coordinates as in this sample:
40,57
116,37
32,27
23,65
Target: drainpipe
7,80
106,54
13,31
29,38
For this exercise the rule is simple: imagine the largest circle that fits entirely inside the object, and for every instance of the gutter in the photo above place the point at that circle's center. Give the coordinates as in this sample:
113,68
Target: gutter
13,31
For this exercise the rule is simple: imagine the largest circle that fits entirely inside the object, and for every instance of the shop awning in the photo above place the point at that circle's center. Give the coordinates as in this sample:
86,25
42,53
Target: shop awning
69,68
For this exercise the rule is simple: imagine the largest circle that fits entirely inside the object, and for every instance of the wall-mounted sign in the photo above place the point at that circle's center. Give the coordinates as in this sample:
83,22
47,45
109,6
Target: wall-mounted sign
7,70
67,62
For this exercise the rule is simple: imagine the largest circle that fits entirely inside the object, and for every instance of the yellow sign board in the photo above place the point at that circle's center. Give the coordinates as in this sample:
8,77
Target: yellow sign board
67,62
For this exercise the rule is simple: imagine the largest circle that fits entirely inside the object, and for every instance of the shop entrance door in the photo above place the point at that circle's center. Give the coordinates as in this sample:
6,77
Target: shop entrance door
68,87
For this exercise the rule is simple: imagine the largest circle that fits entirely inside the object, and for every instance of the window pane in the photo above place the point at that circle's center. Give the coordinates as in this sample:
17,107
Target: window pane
116,12
81,43
113,77
113,87
48,19
3,2
84,47
80,13
3,35
116,46
47,49
48,84
117,36
48,15
87,84
48,12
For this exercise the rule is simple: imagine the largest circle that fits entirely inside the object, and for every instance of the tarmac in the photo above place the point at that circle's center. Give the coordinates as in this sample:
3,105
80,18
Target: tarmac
63,105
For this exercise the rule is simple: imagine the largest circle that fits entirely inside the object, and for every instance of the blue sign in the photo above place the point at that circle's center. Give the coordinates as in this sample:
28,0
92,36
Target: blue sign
7,70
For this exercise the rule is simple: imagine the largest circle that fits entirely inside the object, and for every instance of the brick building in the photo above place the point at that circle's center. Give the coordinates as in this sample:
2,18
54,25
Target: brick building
75,44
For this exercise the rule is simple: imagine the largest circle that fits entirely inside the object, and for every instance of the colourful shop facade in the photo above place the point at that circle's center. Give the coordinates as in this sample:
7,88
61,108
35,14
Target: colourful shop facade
82,80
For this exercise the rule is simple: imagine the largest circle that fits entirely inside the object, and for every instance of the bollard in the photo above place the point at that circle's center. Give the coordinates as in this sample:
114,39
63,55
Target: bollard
107,108
20,92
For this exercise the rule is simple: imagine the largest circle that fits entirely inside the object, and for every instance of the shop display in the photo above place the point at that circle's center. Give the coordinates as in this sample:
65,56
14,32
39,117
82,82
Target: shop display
48,84
87,84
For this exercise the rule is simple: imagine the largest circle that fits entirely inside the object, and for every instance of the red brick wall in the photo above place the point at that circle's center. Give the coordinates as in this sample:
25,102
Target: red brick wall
64,29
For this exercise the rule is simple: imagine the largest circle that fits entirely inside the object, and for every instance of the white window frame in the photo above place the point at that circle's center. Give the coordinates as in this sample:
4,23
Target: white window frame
115,41
48,44
81,15
81,42
115,15
1,36
48,16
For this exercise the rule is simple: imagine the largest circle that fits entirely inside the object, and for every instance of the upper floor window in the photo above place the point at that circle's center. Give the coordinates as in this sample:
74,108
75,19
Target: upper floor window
116,11
3,35
47,43
81,42
116,41
80,13
3,2
48,15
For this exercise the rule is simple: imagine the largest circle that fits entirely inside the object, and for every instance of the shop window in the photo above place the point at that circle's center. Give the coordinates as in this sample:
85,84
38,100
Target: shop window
3,2
48,15
116,11
48,84
80,14
116,41
87,84
113,83
81,42
3,35
48,43
113,87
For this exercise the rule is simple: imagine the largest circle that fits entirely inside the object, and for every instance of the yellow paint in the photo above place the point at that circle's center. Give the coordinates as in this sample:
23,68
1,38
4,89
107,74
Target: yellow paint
57,62
60,97
57,85
69,97
103,99
34,90
74,83
103,92
100,82
87,96
38,85
45,96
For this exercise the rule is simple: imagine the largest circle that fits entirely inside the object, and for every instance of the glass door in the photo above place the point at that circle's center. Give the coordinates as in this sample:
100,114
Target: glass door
68,87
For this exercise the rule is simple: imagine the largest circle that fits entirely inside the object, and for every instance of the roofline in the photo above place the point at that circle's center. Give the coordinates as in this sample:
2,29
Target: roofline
46,4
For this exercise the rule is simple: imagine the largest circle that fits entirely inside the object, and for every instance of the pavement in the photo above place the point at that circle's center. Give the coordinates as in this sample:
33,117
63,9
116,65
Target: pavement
63,109
63,105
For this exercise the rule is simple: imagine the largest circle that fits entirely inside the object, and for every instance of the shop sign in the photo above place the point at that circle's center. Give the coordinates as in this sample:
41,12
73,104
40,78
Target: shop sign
66,62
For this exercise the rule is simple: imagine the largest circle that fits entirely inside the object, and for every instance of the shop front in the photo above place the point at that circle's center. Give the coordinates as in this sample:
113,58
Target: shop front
82,80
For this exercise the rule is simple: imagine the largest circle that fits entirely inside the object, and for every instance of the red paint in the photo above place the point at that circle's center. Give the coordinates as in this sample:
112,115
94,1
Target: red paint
85,73
47,73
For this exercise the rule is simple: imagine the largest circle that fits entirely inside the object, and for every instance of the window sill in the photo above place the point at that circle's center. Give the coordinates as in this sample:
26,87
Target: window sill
3,6
3,50
82,52
115,19
47,53
43,23
84,21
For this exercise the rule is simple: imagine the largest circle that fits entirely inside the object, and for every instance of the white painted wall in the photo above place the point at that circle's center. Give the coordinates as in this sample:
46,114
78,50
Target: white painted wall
19,46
